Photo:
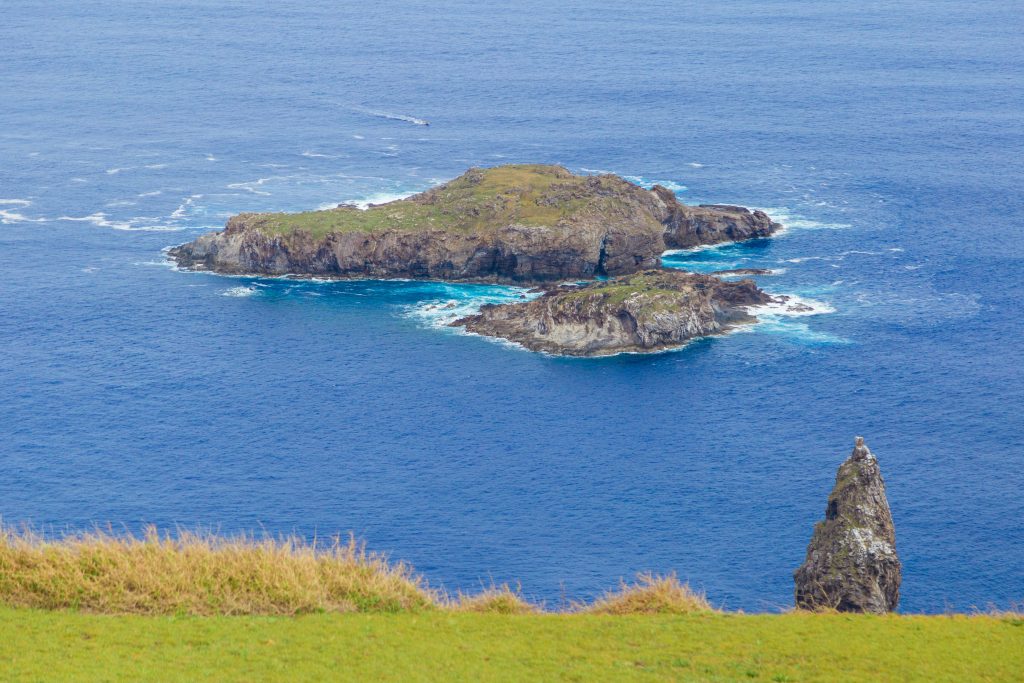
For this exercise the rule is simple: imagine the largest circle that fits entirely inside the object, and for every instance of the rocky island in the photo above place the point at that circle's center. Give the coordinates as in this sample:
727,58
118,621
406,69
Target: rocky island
517,224
851,564
652,310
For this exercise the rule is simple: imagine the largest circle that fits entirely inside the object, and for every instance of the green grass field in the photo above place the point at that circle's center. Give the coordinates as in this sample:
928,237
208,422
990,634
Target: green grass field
66,646
198,607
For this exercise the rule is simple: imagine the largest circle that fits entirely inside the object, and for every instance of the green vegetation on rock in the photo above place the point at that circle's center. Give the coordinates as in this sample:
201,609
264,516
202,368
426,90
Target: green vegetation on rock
655,288
526,194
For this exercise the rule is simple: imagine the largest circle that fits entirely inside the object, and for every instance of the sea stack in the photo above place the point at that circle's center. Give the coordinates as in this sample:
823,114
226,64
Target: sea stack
851,563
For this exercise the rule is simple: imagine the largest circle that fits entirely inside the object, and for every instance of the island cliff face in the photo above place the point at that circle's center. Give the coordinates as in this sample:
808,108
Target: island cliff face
513,224
851,563
643,312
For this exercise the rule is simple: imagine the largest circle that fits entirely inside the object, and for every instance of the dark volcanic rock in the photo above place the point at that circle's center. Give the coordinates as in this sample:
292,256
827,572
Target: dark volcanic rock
517,223
851,563
647,311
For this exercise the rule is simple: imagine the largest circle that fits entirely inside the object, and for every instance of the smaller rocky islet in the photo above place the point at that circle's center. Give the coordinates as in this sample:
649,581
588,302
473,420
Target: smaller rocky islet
652,310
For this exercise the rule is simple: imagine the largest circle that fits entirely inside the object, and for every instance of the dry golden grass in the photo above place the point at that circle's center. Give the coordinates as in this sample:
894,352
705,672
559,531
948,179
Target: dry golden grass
651,594
202,574
495,600
205,574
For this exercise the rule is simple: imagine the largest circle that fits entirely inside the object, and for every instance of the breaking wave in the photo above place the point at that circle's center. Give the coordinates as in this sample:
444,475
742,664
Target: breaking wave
240,291
446,303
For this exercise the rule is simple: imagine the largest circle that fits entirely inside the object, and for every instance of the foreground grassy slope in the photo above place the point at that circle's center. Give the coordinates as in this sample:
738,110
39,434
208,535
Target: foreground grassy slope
530,194
425,646
98,607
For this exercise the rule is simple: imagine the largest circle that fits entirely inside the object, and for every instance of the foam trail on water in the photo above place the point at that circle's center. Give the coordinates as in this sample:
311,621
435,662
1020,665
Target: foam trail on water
184,208
9,216
251,186
778,318
100,220
240,292
794,221
394,117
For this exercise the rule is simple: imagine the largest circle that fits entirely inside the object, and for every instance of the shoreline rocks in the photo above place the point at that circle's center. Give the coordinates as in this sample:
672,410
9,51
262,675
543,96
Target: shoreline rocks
519,224
851,563
648,311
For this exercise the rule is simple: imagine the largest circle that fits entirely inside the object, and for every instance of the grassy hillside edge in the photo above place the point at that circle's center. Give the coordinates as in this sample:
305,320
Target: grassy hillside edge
205,607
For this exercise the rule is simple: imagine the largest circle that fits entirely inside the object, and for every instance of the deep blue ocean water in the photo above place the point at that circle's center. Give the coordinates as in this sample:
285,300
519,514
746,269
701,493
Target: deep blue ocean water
887,136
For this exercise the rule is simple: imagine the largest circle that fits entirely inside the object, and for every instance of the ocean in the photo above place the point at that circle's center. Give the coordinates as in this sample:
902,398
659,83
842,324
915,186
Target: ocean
886,136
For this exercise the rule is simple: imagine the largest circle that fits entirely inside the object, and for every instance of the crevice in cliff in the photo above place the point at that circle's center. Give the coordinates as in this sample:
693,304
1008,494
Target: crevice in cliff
600,270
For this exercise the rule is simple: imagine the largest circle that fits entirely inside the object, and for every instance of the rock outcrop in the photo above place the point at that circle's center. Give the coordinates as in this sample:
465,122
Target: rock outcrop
513,224
643,312
851,563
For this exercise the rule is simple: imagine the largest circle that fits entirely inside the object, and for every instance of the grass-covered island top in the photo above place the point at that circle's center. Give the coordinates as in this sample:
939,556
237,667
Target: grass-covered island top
480,199
519,223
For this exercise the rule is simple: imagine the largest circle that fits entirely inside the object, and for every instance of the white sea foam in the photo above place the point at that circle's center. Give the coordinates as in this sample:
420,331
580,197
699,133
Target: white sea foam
794,221
696,249
186,206
648,183
318,155
639,180
381,198
835,257
770,271
137,224
251,186
797,331
459,301
392,116
9,216
792,306
210,157
154,193
364,203
359,137
115,171
79,180
240,291
694,164
120,202
782,317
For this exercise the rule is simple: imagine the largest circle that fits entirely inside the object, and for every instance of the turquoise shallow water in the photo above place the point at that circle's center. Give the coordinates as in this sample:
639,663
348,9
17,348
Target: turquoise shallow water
884,136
